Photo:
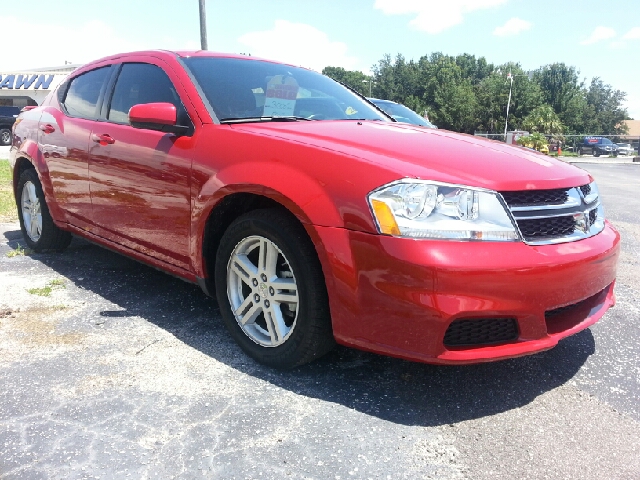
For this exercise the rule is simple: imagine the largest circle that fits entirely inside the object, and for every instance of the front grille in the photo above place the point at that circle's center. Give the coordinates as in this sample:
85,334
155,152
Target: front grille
480,331
553,215
547,227
536,197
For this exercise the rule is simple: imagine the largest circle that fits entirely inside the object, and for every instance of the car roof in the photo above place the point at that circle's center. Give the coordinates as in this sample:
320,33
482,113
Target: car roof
379,100
170,54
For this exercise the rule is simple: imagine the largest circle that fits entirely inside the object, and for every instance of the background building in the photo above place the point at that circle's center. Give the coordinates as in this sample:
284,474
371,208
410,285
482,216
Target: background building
30,87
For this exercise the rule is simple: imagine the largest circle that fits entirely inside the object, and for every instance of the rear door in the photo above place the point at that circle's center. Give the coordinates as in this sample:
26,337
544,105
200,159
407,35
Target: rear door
63,139
140,179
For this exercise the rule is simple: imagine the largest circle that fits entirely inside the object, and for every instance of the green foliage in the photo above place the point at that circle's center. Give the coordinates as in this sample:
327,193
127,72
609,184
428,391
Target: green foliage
48,288
8,210
544,120
535,140
19,251
466,94
606,105
355,80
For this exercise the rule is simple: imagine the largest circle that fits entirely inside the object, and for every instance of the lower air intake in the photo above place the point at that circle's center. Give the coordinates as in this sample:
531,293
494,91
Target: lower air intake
480,331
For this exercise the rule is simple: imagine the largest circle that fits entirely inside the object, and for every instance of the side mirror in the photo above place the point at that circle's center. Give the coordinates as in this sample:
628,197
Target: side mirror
156,116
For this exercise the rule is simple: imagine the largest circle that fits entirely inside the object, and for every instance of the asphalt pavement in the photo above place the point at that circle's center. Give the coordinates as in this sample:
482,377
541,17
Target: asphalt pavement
110,369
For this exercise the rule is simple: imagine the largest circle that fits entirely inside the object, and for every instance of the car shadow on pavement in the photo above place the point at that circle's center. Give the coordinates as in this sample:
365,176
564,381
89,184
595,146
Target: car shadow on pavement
395,390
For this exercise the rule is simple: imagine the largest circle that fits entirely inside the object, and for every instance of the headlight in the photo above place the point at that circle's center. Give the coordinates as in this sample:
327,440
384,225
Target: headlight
422,209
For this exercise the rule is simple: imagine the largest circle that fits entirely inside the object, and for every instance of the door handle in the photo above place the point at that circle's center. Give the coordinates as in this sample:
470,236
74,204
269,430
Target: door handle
48,128
104,139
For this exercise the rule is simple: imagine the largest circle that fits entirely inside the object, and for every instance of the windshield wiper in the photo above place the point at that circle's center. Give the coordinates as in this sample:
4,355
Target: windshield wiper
264,119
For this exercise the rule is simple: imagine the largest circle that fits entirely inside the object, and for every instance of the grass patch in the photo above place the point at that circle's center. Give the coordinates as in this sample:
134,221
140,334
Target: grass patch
42,292
19,251
48,288
564,154
8,210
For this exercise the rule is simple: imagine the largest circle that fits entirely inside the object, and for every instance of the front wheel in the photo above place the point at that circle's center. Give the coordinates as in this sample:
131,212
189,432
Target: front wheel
596,152
271,290
5,136
38,229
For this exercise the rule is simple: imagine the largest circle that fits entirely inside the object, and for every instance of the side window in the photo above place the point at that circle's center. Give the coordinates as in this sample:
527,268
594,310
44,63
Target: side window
83,93
143,83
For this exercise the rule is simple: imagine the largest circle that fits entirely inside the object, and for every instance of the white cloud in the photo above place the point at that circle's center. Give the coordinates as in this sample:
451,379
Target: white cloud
298,44
513,27
600,33
633,34
33,47
435,16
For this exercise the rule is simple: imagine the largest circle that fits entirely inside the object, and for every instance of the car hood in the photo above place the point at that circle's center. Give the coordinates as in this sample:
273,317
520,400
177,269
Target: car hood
410,151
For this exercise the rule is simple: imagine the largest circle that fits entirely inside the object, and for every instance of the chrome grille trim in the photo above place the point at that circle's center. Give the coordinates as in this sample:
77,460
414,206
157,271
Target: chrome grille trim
588,218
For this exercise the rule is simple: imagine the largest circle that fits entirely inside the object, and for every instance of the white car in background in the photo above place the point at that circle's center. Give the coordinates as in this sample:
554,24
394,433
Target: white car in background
401,113
625,149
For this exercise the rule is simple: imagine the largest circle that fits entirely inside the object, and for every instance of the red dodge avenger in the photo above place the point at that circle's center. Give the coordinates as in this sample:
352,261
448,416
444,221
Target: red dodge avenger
311,216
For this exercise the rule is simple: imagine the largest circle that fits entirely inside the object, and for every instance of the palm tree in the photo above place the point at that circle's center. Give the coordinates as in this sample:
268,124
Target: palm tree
543,119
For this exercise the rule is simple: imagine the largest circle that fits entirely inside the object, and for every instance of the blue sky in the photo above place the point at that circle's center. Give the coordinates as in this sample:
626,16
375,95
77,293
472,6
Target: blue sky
599,38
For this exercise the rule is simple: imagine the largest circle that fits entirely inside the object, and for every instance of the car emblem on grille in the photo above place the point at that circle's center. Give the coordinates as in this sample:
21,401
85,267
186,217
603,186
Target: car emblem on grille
582,221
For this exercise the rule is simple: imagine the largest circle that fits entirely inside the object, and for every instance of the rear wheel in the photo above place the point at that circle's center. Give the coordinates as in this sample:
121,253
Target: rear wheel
271,290
596,152
38,229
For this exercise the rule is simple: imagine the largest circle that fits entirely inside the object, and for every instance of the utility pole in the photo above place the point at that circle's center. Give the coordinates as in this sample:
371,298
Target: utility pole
506,122
203,25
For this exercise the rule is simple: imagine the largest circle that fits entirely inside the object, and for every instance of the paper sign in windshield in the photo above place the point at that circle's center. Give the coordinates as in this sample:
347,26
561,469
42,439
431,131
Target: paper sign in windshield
281,97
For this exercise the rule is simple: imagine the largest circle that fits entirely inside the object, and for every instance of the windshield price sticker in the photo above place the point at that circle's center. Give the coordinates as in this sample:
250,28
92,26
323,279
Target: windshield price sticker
281,97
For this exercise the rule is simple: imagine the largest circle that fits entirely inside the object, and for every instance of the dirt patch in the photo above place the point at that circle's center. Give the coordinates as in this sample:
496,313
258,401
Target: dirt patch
33,330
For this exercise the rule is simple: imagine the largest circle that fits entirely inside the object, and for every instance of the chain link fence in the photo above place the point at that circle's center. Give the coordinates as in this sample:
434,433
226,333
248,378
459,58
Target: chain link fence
577,144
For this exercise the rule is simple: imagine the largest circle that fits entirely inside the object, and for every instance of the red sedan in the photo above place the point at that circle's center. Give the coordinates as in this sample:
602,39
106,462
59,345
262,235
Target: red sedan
311,216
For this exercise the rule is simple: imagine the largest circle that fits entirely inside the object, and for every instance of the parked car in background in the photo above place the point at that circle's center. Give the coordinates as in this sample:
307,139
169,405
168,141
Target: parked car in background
401,113
625,149
8,117
310,215
598,146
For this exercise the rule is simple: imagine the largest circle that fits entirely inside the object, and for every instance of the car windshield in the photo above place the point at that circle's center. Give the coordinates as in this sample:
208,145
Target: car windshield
403,114
606,141
240,90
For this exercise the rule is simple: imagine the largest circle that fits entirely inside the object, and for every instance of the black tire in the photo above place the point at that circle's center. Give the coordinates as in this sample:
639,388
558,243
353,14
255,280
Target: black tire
310,335
596,152
5,136
49,237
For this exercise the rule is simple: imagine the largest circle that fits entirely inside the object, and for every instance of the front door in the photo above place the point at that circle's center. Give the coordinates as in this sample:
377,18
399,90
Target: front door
140,179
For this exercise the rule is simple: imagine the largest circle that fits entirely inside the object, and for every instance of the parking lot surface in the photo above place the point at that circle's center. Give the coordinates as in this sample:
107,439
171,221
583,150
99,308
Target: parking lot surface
110,369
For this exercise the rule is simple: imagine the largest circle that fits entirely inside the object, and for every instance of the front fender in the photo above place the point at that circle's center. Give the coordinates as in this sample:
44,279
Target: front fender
296,191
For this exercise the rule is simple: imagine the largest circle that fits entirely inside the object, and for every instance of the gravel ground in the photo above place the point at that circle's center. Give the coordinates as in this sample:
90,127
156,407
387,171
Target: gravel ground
125,372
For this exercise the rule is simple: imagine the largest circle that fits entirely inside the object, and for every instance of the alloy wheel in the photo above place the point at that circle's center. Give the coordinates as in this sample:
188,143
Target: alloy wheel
262,291
31,211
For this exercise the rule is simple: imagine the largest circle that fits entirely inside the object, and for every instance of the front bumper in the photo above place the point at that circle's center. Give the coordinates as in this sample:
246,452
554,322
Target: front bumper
399,296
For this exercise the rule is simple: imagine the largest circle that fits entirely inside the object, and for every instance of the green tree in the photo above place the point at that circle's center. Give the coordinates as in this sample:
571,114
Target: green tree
453,98
543,119
559,84
535,140
607,107
356,80
465,93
